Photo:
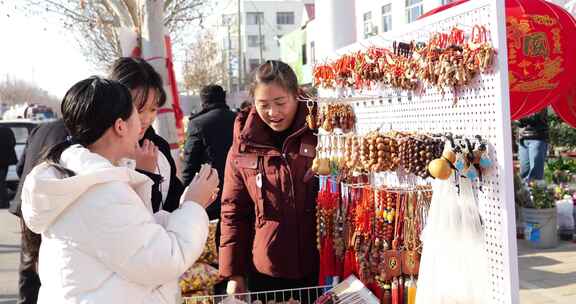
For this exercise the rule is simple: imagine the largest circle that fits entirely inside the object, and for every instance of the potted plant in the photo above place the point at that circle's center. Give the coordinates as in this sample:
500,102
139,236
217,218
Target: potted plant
560,170
539,215
562,136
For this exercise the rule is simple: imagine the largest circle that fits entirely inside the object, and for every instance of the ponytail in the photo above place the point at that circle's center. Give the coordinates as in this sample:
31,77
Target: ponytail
52,157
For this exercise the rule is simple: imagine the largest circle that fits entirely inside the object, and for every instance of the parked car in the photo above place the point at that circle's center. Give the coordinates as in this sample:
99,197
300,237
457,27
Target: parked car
21,129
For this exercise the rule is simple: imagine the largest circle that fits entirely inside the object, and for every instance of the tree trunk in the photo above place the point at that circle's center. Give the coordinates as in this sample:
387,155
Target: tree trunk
154,51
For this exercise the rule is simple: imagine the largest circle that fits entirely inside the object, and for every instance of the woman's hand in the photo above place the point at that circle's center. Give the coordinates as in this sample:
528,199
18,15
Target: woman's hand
204,187
236,285
146,157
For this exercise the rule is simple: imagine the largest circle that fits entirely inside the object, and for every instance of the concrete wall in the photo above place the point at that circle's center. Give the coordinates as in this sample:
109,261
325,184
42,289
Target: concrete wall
269,28
335,21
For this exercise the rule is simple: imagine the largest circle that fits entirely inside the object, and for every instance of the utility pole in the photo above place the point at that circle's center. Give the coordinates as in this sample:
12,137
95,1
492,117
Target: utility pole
239,45
259,18
227,21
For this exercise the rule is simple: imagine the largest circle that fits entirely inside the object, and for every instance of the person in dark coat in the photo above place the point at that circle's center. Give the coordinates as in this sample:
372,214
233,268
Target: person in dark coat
533,145
7,158
209,138
40,140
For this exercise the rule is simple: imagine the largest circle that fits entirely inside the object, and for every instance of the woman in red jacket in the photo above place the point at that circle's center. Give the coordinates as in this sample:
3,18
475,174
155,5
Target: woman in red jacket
269,197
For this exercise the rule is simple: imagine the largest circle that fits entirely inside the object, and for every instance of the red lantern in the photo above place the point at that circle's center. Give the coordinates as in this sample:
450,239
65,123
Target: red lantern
565,107
540,54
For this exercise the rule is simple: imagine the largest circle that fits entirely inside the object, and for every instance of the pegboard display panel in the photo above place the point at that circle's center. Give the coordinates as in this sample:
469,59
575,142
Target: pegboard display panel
478,109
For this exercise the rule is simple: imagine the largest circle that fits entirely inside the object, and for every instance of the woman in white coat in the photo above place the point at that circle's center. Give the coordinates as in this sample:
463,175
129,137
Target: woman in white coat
100,241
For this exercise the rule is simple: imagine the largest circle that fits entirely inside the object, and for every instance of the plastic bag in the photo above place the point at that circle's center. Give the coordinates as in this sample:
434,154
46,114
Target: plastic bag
564,208
453,267
199,280
210,253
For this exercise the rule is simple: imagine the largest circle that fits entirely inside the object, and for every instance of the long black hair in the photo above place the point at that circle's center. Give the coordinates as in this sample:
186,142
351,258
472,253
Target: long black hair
137,74
89,108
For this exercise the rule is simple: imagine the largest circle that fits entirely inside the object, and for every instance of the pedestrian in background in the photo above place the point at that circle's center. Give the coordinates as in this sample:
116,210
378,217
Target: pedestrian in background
7,158
245,105
533,145
209,137
208,140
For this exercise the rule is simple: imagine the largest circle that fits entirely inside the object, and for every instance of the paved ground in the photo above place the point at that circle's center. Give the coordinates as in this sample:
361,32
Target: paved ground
9,256
546,276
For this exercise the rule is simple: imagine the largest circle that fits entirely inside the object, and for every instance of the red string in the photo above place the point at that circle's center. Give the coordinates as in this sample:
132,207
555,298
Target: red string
479,34
456,36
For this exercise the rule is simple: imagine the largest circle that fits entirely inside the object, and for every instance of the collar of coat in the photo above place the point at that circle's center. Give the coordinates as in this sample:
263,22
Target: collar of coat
250,130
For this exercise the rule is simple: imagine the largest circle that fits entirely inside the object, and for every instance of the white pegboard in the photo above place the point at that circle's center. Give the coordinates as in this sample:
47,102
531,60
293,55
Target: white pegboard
482,108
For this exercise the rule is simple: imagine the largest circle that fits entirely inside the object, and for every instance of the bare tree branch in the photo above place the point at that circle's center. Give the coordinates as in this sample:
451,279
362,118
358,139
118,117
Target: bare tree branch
95,23
202,65
14,91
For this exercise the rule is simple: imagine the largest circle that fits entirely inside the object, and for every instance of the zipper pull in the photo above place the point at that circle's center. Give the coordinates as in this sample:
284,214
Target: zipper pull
259,180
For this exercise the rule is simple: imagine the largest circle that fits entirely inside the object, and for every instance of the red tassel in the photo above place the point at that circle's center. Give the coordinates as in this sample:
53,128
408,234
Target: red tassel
322,274
327,203
339,267
395,296
376,290
329,256
349,264
387,298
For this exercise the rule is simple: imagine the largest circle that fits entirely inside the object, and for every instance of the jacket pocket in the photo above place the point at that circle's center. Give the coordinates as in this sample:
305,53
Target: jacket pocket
264,189
268,198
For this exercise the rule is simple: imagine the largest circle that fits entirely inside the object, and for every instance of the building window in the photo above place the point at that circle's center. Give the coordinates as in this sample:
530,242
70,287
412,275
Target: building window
253,64
304,55
387,17
313,52
285,18
369,29
253,41
253,18
414,9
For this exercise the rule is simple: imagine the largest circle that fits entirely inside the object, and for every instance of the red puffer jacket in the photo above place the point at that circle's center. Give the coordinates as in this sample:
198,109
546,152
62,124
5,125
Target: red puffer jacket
268,201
